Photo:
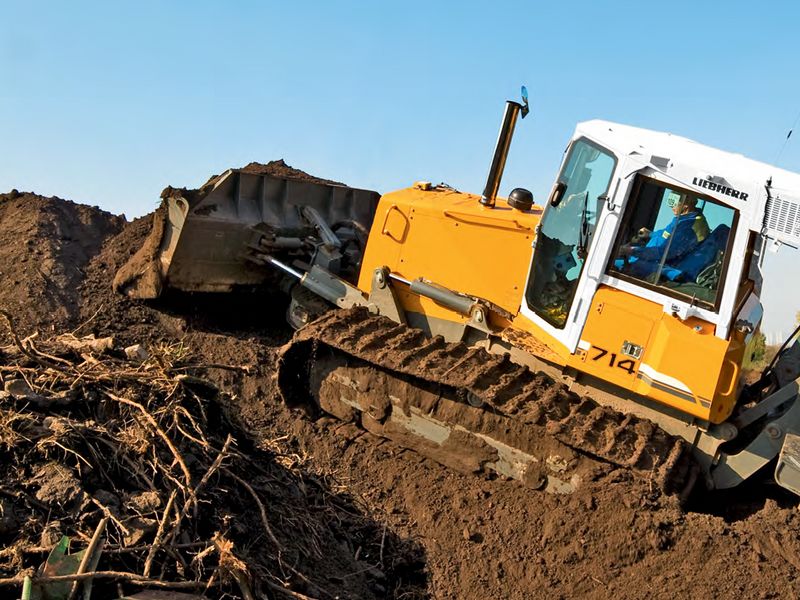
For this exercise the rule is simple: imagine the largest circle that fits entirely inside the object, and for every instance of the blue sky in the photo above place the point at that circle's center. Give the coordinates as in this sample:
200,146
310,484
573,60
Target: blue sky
106,103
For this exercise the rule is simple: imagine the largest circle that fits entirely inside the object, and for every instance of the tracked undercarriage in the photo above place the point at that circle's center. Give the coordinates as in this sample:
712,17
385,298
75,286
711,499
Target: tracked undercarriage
468,409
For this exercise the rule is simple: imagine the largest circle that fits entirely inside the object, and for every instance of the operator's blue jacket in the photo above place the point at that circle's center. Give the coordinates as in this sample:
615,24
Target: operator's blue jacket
687,232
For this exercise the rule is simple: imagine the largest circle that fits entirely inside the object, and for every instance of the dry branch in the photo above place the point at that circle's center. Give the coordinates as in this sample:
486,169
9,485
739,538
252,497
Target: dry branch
160,432
148,563
94,547
261,509
120,575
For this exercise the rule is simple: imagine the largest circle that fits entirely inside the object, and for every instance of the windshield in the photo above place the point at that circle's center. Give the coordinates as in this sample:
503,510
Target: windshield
566,232
673,240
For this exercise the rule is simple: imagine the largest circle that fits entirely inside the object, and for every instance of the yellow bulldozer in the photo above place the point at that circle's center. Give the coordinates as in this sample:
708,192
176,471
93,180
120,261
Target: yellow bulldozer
606,328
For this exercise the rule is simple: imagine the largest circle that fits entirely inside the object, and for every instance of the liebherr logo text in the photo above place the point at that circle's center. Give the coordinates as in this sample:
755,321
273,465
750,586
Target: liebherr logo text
720,189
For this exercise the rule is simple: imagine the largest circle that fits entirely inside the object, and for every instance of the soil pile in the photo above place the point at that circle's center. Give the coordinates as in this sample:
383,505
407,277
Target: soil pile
104,312
355,516
279,168
45,244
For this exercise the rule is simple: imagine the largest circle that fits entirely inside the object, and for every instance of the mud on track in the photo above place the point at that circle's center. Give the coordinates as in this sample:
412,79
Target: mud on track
520,409
435,532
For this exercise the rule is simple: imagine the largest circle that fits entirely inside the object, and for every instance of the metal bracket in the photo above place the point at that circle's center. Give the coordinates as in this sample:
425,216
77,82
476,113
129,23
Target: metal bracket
335,290
787,471
732,469
382,298
770,403
478,319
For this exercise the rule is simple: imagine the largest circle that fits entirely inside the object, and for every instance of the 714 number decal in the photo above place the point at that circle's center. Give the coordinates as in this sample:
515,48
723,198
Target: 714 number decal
626,364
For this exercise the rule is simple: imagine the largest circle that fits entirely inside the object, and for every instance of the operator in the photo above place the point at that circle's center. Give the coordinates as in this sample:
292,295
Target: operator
682,235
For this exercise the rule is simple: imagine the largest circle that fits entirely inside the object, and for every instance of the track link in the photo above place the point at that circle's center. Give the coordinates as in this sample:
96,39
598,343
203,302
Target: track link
520,409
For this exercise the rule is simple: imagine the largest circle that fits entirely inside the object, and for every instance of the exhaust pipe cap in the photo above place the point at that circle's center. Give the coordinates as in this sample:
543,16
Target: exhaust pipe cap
520,199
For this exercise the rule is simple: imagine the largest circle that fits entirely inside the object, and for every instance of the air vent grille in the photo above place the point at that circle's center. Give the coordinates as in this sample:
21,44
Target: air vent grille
782,219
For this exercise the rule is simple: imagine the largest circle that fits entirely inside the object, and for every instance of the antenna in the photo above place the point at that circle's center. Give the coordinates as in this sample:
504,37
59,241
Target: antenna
786,141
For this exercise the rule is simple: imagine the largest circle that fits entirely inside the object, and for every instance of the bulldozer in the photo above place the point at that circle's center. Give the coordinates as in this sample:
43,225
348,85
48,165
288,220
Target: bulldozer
606,328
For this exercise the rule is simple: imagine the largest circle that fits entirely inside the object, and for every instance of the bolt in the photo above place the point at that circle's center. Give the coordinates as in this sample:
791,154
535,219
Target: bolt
474,400
773,431
728,431
380,279
479,316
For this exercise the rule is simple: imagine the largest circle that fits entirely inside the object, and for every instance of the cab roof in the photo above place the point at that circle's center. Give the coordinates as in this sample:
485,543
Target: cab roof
626,140
728,177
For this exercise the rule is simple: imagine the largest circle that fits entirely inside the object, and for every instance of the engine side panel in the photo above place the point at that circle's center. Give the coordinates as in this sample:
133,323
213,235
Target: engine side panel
447,237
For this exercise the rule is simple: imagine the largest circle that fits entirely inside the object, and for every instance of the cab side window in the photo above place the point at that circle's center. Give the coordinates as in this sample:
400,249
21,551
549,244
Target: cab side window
674,240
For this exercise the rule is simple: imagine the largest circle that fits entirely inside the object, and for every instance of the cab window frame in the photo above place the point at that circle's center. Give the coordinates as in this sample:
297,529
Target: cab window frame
611,271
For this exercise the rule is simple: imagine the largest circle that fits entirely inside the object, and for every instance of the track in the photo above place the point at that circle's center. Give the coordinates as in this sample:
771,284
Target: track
470,409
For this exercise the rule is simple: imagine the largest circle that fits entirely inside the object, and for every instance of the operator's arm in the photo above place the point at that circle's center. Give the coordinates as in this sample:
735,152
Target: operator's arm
684,239
654,248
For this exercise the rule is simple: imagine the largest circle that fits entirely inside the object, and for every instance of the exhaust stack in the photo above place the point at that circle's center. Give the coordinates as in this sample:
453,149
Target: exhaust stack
501,149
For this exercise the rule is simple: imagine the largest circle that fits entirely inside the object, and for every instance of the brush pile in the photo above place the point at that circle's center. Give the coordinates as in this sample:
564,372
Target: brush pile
127,451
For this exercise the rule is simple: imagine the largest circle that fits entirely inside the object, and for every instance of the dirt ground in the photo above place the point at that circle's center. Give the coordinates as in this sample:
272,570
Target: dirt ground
388,523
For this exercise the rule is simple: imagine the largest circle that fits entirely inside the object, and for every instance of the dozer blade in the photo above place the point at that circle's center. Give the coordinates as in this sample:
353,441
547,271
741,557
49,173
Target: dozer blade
211,239
468,409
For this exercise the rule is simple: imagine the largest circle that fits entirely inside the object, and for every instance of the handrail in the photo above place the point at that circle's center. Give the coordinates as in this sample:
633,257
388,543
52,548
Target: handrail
385,231
734,377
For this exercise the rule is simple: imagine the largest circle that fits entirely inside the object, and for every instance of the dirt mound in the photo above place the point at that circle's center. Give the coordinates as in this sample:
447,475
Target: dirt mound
106,313
45,244
278,168
370,519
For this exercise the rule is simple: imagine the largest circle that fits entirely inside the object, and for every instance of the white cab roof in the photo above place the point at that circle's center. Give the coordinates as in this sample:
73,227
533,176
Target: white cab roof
727,176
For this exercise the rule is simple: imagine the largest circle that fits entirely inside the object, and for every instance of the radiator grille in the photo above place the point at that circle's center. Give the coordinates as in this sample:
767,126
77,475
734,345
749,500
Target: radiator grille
782,219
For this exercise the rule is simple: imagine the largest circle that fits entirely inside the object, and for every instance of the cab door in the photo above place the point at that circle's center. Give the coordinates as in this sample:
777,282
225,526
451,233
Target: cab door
572,245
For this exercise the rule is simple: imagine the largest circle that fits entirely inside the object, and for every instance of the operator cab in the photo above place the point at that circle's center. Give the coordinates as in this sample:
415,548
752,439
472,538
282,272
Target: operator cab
671,231
645,268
